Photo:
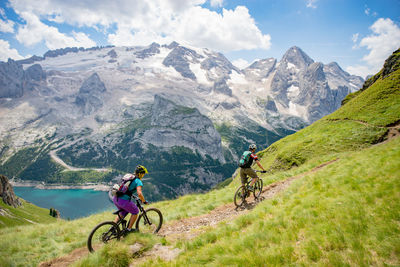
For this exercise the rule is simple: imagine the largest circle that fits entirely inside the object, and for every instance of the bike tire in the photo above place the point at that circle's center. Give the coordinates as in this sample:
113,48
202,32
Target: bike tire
102,234
239,197
258,188
156,219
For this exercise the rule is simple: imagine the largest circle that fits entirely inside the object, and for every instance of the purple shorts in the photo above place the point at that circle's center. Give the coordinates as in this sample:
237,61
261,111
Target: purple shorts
126,205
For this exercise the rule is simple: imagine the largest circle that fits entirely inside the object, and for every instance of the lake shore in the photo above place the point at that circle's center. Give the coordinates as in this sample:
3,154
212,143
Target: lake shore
43,185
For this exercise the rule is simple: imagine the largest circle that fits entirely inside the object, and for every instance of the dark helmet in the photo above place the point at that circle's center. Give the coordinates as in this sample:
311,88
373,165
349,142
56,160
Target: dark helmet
140,169
252,146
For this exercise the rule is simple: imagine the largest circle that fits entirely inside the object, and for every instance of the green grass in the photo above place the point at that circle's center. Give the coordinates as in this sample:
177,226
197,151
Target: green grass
378,105
345,214
25,214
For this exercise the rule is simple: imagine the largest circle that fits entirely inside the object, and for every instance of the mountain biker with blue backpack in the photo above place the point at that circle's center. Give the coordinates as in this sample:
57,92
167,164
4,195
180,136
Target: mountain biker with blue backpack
245,163
122,198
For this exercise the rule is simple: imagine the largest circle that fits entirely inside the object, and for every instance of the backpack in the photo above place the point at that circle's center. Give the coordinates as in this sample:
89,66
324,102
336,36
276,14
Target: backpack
122,188
245,159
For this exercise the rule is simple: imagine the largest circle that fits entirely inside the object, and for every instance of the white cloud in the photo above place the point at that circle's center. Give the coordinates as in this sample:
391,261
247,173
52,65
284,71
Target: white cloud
229,31
354,38
241,63
35,32
6,52
216,3
6,26
311,3
142,22
381,43
367,12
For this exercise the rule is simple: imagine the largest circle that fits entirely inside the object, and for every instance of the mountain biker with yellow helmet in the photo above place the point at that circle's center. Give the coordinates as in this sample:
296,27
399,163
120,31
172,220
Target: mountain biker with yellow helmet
124,202
246,170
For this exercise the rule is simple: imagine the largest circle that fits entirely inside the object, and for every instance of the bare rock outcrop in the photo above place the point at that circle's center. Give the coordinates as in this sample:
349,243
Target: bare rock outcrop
7,192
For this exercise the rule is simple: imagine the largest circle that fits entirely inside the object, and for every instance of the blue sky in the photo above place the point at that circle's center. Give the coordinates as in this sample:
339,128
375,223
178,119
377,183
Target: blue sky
359,35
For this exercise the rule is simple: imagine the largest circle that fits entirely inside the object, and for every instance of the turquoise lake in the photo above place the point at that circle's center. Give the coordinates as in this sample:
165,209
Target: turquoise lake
72,203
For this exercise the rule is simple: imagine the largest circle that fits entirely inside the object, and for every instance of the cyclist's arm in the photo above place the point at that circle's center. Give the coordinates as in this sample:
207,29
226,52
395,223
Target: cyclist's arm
259,165
140,194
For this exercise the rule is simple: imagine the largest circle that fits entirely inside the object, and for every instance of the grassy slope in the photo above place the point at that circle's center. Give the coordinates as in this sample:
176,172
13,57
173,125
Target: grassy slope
345,214
27,213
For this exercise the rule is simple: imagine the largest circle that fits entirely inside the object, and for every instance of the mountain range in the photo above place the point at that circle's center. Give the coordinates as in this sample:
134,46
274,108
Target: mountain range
186,113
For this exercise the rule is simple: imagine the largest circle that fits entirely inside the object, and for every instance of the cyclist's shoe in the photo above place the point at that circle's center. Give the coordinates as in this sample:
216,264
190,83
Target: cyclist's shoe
129,231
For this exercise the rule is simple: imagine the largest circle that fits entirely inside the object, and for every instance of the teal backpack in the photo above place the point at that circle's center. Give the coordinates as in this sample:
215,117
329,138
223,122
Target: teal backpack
245,159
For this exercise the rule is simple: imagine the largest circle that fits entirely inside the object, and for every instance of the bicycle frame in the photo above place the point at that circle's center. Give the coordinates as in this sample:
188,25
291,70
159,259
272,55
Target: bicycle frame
141,209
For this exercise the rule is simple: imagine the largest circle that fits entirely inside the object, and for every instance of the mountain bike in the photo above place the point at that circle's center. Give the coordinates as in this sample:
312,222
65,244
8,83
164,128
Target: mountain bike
149,221
244,191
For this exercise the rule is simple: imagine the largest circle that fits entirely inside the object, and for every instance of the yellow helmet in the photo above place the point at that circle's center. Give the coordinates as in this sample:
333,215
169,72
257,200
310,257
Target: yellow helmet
140,169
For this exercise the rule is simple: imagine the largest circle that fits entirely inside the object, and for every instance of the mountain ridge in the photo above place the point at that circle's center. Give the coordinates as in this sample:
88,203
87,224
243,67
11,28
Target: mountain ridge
104,97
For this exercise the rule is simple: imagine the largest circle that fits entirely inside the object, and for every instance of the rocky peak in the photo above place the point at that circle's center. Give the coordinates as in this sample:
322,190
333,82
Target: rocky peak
179,58
89,98
171,45
153,49
297,57
261,68
7,193
315,72
220,61
93,85
12,79
335,69
36,73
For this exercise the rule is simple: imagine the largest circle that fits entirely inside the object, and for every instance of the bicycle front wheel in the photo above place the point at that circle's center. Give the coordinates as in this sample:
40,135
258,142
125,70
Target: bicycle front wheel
150,221
258,188
240,196
102,234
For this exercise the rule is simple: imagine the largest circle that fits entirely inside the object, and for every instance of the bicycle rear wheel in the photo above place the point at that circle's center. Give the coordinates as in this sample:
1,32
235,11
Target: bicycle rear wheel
150,221
258,188
102,234
240,196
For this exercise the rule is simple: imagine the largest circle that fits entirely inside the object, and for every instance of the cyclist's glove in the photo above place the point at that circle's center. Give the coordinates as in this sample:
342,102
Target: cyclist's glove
145,202
263,171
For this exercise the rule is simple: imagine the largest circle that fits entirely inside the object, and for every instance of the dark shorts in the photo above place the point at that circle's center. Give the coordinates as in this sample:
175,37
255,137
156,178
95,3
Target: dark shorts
244,172
126,205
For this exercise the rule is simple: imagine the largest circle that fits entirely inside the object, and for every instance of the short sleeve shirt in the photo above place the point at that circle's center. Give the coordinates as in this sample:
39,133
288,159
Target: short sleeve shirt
253,157
133,187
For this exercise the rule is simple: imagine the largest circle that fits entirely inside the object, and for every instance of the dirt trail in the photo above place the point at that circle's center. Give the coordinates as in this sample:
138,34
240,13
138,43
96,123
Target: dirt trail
186,228
189,228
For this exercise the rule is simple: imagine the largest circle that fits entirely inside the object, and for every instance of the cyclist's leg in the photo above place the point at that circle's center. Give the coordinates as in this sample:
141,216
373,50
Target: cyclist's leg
243,179
130,207
243,176
123,213
252,173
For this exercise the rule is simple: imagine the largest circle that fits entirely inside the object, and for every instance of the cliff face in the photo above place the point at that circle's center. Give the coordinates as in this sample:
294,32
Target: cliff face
7,193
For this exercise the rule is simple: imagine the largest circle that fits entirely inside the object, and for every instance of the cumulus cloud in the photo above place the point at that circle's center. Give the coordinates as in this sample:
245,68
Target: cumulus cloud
133,22
6,52
6,26
381,43
36,31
